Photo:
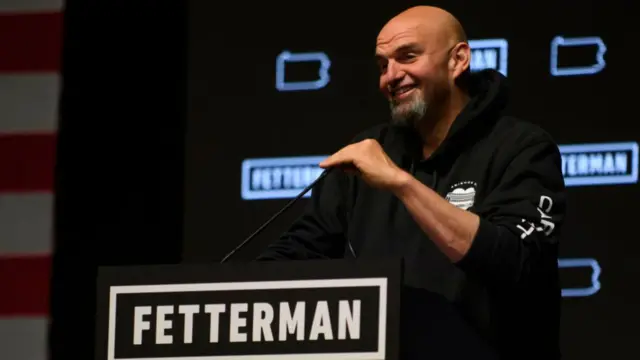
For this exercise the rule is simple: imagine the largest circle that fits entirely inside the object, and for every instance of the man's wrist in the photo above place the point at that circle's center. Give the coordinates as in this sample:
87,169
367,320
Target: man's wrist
402,181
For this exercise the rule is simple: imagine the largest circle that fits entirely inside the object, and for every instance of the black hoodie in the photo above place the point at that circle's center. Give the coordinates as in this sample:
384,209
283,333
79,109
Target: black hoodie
505,291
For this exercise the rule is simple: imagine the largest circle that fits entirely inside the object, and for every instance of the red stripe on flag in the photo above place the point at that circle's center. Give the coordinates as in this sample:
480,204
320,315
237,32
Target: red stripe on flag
24,285
30,42
27,162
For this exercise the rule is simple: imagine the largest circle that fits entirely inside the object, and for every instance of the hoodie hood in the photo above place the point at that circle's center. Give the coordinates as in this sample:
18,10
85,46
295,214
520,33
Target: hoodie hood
488,97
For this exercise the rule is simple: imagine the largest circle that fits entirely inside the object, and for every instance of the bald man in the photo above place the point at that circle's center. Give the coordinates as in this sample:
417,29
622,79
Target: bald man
471,198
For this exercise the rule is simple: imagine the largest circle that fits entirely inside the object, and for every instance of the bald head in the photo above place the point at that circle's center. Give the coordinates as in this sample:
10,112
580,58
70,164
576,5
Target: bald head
437,26
422,53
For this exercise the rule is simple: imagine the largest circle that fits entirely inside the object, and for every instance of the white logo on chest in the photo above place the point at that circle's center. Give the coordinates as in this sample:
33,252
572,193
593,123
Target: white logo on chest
462,194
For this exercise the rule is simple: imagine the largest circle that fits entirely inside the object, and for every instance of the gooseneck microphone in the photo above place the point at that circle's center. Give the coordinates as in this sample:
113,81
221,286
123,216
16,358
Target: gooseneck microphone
275,216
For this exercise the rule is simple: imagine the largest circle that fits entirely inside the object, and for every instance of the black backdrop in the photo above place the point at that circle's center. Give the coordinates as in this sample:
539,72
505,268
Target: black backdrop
120,161
235,112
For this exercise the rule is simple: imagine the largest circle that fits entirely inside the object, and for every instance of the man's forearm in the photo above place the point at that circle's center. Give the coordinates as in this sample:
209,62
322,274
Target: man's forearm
450,228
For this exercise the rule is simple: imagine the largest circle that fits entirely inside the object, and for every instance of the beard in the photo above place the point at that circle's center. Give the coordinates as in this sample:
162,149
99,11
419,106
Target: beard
410,111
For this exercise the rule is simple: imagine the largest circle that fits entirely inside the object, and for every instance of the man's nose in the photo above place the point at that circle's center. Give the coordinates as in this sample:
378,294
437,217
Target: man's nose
394,75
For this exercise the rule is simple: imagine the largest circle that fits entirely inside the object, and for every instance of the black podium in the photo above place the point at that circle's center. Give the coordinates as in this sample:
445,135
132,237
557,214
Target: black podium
320,309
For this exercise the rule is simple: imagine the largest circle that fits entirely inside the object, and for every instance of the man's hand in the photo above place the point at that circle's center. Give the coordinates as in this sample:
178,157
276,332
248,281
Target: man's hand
370,161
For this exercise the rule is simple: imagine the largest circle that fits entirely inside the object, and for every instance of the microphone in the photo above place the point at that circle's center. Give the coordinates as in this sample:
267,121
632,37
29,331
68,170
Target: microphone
275,216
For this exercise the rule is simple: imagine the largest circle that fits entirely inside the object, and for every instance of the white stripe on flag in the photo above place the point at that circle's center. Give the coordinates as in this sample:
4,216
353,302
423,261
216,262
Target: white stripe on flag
29,102
23,338
30,5
26,223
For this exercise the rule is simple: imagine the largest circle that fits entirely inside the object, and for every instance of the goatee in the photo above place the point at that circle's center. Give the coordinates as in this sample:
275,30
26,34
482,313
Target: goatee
408,113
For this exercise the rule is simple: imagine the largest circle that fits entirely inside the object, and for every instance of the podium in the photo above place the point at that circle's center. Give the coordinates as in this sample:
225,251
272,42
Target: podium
307,310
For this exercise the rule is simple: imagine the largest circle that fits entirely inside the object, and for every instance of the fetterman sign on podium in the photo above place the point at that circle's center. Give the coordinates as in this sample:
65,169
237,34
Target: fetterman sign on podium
325,309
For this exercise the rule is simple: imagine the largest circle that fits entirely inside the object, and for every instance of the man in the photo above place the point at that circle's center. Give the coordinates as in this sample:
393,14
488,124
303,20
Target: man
472,199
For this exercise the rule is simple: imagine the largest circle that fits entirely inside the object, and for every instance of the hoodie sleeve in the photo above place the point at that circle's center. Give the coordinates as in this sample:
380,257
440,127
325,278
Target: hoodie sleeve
319,231
520,220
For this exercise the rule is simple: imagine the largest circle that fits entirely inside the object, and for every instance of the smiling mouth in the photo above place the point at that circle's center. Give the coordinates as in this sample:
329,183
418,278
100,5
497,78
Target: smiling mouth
398,92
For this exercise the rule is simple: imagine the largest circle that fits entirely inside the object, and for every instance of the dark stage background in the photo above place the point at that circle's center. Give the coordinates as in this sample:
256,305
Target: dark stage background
132,188
236,112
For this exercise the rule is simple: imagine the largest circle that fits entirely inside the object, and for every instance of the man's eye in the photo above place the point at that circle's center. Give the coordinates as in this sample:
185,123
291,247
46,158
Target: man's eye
405,57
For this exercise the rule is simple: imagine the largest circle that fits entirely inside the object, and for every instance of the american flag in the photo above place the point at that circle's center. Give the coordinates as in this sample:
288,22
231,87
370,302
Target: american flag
30,49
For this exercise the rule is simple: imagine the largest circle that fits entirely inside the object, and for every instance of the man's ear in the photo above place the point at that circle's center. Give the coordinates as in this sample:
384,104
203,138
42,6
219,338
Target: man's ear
460,59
